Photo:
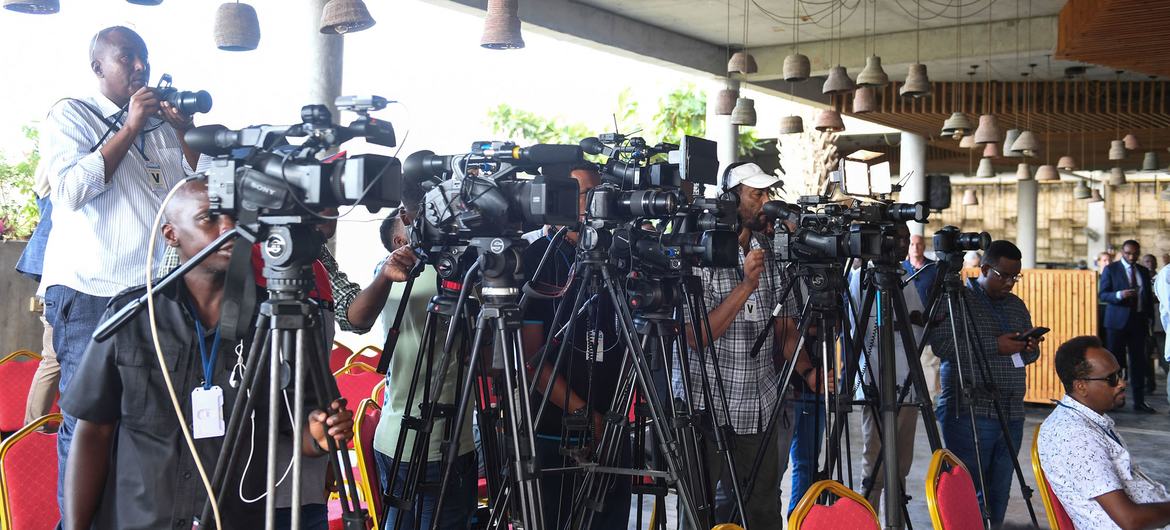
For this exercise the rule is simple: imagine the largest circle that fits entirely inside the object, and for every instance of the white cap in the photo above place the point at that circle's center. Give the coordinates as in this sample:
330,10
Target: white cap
750,175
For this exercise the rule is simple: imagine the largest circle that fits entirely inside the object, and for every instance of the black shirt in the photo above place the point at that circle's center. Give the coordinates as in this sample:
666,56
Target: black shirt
594,381
152,480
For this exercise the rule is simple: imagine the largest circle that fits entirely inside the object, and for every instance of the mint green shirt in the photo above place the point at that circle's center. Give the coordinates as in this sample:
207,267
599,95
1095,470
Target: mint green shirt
406,355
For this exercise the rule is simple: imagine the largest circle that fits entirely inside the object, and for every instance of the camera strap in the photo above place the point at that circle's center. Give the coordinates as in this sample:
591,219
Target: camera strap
113,127
239,299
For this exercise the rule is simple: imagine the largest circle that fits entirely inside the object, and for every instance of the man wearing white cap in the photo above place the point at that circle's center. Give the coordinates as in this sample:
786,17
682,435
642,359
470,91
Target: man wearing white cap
740,300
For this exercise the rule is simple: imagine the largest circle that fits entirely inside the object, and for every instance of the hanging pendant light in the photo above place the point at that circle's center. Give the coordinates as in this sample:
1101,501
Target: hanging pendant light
348,16
970,198
990,150
1023,172
796,68
988,131
985,170
1117,177
742,62
1047,173
236,27
864,100
725,101
1131,142
744,112
33,7
829,120
791,125
838,81
1096,196
1150,161
145,2
501,27
917,83
873,75
1009,141
1081,191
1116,150
1026,144
968,142
958,126
1067,162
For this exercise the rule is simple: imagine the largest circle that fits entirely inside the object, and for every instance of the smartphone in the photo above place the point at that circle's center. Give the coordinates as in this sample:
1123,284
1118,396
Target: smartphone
1033,333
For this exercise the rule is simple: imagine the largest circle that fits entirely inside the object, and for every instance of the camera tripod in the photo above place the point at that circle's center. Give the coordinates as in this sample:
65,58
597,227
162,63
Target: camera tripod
949,289
658,301
441,315
499,315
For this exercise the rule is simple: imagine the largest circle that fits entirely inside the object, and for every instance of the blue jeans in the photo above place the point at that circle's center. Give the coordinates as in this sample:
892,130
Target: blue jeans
74,316
807,434
995,454
313,517
557,490
458,504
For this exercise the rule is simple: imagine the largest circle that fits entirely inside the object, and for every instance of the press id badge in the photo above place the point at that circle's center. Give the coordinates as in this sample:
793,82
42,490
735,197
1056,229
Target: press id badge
752,312
595,345
154,173
207,412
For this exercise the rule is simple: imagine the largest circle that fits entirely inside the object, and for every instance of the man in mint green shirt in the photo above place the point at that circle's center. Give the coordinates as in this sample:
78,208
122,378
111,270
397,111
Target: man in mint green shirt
460,502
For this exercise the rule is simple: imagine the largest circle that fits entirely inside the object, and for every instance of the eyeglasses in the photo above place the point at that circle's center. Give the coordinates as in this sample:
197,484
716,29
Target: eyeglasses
1005,277
1113,379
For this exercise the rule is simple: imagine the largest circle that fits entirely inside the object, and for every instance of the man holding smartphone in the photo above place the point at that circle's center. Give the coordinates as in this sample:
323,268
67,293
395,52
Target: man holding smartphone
1004,339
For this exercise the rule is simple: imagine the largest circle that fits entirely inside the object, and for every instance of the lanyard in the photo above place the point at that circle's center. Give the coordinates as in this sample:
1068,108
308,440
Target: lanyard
208,360
1108,432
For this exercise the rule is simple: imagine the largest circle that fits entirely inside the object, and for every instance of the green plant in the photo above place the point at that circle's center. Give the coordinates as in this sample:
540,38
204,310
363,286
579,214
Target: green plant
681,112
18,207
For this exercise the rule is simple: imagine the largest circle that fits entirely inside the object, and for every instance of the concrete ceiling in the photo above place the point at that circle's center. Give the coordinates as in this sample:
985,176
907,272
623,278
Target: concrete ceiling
1022,32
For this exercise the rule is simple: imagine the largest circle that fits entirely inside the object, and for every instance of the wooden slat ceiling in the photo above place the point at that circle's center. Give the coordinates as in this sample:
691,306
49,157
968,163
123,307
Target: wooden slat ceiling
1062,113
1118,34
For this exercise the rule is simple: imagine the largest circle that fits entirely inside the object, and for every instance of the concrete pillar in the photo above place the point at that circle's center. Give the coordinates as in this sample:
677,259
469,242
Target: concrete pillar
326,55
913,164
1027,193
724,132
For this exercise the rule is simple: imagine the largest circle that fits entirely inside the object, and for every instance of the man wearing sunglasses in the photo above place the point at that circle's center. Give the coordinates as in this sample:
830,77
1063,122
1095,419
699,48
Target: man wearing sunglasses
1085,460
1129,310
998,318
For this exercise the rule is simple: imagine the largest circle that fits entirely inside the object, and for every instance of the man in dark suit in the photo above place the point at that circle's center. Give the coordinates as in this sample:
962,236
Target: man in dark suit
1128,296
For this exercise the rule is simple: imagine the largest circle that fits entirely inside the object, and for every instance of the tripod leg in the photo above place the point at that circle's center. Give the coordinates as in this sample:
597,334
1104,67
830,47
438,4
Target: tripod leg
282,342
965,391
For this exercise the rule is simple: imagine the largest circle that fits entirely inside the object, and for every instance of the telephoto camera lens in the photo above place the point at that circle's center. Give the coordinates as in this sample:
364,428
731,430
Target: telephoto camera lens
909,212
950,239
185,101
649,203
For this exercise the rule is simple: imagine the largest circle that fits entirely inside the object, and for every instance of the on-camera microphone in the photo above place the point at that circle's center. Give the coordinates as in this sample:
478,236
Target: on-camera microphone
541,154
594,146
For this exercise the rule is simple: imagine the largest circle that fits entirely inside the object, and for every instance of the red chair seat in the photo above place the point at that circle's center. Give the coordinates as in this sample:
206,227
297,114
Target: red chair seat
845,513
16,376
957,502
28,481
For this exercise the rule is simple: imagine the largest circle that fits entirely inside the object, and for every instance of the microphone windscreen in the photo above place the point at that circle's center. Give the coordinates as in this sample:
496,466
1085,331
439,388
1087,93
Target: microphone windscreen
540,154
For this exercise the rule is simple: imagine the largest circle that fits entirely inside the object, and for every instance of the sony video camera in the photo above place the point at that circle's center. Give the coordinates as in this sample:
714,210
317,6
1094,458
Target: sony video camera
256,169
830,231
481,193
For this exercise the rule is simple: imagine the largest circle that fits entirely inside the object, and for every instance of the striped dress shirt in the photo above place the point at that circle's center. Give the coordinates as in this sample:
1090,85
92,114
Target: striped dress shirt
101,230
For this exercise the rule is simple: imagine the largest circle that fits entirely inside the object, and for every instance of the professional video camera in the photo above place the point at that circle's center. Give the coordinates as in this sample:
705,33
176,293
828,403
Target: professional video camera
949,240
480,193
185,101
832,231
256,169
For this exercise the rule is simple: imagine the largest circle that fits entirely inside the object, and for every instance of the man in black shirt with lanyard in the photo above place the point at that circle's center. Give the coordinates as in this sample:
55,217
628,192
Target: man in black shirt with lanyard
585,381
129,465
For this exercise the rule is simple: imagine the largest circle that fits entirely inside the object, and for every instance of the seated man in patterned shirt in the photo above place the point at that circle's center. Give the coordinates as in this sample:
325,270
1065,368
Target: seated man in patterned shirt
1087,463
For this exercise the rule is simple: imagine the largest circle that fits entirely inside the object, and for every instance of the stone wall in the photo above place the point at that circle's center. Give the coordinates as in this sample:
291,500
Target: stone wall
20,329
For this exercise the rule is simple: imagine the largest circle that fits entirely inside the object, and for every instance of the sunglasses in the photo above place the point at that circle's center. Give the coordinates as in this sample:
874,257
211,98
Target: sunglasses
1113,379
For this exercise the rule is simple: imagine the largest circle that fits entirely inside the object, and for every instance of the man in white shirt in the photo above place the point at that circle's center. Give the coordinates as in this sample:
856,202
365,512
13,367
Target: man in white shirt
109,158
1085,459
